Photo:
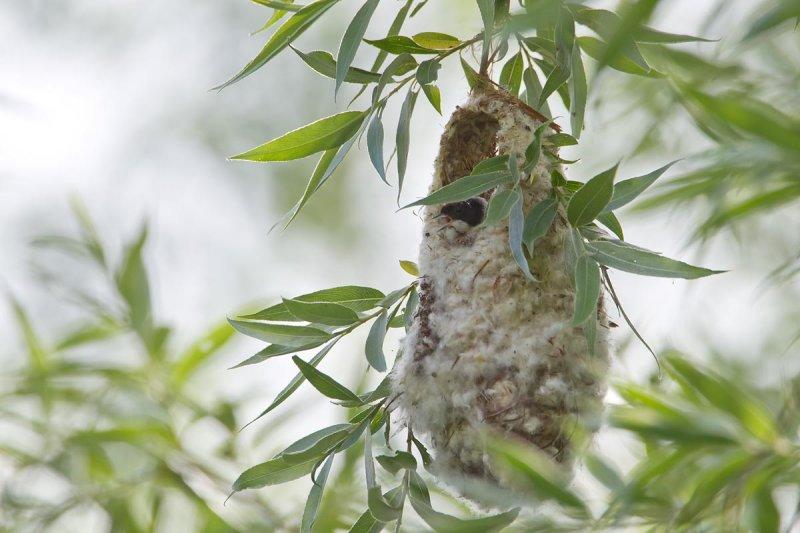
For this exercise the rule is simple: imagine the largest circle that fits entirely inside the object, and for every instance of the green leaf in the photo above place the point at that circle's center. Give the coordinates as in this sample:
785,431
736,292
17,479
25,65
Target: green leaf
604,473
621,256
539,472
564,39
605,23
368,523
712,481
296,381
595,48
555,79
587,290
436,41
726,396
473,78
200,351
374,345
380,507
375,145
444,523
393,297
37,353
627,190
464,188
324,63
354,297
352,39
315,496
590,200
394,29
511,75
398,461
500,206
326,313
410,267
434,96
324,383
486,8
326,133
491,164
316,444
610,221
428,71
288,32
321,172
285,6
749,115
411,308
533,90
561,139
296,336
273,472
134,287
516,223
780,13
273,350
763,514
403,137
399,44
399,65
534,150
538,222
578,91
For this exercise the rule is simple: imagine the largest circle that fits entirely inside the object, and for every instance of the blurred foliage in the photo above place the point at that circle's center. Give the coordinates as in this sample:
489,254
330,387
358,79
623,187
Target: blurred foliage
107,410
103,415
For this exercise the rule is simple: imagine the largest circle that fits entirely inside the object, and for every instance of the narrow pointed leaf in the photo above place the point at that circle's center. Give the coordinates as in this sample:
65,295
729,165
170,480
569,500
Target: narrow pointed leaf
324,383
296,381
538,222
590,200
464,188
315,497
374,345
500,206
326,133
327,313
587,290
375,145
627,190
324,63
511,75
434,96
284,335
444,523
516,224
635,260
352,39
403,137
288,32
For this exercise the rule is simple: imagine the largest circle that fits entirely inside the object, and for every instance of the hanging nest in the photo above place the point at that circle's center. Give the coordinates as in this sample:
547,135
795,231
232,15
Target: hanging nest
489,349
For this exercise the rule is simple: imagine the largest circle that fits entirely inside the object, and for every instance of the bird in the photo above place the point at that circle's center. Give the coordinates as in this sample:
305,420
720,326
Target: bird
471,211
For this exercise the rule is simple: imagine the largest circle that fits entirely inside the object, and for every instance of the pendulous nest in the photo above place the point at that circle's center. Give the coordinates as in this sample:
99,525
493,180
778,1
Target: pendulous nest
489,349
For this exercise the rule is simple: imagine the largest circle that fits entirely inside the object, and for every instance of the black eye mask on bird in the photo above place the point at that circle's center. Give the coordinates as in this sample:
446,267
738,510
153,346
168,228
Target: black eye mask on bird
470,211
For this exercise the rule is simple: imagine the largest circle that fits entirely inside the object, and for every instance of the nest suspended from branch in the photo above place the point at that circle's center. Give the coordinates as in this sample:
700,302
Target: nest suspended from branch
489,349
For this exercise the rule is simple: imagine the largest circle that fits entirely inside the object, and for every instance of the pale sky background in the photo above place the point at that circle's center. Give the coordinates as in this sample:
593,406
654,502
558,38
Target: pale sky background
110,101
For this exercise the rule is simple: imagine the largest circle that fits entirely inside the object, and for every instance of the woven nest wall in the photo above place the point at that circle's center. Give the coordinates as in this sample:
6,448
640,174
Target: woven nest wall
489,349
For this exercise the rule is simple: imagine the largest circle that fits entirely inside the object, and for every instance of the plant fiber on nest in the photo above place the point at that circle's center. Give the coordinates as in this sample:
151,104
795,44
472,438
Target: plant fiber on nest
488,348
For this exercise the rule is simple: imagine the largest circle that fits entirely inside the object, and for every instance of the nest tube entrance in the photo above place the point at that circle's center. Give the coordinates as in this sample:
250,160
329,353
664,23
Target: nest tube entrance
489,350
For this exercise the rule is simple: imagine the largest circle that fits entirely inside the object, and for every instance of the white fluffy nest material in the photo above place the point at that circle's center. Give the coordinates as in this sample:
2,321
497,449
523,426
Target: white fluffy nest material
489,349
